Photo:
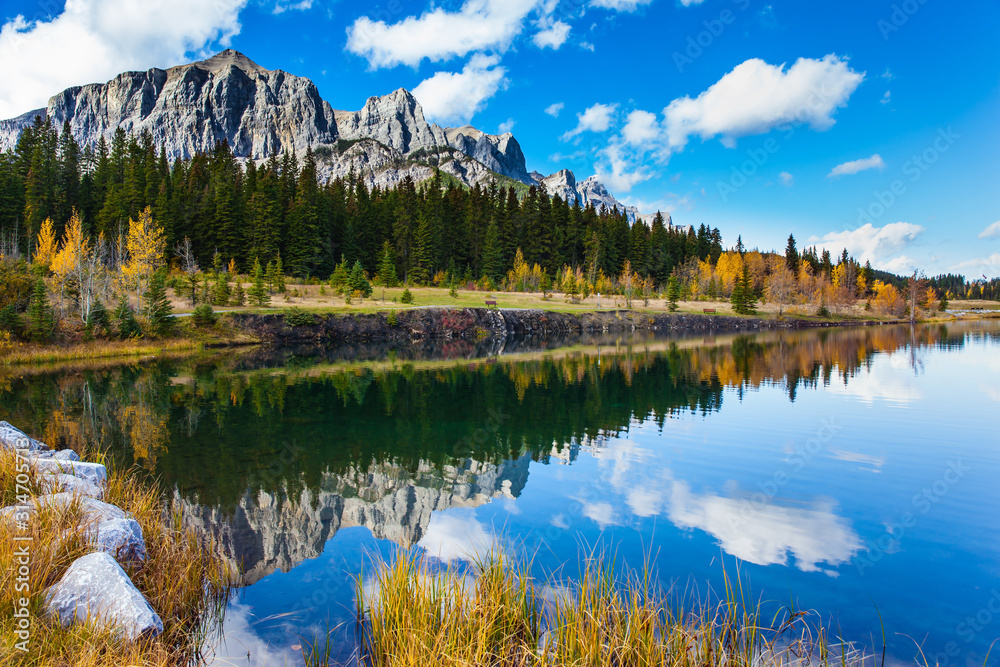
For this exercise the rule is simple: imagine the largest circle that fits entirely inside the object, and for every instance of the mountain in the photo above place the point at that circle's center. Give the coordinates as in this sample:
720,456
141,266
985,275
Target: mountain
260,112
276,531
588,191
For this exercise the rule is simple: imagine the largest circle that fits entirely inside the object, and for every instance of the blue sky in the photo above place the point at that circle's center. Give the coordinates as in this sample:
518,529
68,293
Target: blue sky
867,125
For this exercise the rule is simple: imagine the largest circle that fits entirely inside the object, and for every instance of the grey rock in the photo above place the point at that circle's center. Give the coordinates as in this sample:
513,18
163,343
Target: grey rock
590,191
395,120
66,455
95,473
14,438
501,154
188,108
95,587
122,538
94,510
40,454
55,483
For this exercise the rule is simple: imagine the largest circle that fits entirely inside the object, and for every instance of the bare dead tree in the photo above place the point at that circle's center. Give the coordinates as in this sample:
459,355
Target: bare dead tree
189,265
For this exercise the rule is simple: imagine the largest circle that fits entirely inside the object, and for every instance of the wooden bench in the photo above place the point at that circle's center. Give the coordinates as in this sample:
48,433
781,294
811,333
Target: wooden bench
491,303
708,311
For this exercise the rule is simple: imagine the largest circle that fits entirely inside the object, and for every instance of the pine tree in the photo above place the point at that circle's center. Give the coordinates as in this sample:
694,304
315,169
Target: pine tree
743,299
673,293
41,321
341,276
99,321
159,312
493,253
387,267
792,256
259,293
128,327
358,281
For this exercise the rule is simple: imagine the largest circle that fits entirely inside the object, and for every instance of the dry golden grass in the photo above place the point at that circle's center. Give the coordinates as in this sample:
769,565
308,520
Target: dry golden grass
34,353
184,579
500,617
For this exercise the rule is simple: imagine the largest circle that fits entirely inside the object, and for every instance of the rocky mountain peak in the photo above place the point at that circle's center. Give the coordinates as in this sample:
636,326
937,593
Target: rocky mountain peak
224,60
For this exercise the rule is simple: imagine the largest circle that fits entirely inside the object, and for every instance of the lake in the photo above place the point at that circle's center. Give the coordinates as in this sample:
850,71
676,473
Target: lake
854,471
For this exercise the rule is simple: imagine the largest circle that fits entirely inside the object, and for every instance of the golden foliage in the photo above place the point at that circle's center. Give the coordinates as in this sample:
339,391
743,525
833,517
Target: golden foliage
146,244
45,247
887,300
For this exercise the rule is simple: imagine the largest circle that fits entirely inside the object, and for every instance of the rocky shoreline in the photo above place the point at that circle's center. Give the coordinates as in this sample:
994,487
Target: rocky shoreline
95,588
478,323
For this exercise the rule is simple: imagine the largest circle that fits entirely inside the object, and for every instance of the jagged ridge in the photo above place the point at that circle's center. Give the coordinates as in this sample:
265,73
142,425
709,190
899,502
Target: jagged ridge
260,112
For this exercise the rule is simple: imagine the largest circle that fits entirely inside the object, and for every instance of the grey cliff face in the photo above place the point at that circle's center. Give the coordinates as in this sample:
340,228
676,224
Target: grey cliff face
395,120
187,109
501,154
260,112
269,532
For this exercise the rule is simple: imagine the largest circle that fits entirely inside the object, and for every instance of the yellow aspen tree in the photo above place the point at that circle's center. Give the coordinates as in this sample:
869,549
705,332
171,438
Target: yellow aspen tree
145,244
728,269
45,247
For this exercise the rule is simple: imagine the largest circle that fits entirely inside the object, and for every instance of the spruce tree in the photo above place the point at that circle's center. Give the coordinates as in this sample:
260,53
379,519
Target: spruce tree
128,327
673,293
341,276
493,253
387,267
358,281
41,322
99,321
159,312
260,296
792,256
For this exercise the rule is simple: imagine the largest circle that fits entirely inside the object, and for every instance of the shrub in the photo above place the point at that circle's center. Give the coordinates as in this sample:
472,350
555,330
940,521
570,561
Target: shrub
391,319
407,296
297,317
203,316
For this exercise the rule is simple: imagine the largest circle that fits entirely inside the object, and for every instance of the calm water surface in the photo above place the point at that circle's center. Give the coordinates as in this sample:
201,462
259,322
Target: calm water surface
842,469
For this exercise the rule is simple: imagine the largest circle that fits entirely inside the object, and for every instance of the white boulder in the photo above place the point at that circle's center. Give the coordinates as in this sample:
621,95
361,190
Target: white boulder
96,587
14,438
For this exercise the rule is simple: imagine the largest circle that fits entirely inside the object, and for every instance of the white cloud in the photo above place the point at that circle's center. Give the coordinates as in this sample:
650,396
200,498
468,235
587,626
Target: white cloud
991,232
456,535
94,40
554,109
854,166
552,36
617,173
626,5
281,7
454,97
756,97
641,128
596,118
691,3
901,265
990,266
886,98
889,382
603,514
786,179
765,534
587,46
438,35
506,126
868,243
